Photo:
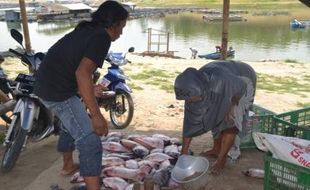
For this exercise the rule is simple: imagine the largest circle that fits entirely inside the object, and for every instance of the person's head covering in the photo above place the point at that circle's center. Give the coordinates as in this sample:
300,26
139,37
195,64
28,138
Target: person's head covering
188,84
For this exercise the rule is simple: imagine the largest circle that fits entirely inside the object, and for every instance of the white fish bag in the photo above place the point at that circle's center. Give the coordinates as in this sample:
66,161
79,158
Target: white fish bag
290,149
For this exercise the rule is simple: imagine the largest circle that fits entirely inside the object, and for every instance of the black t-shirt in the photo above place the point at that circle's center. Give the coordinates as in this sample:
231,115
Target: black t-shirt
55,80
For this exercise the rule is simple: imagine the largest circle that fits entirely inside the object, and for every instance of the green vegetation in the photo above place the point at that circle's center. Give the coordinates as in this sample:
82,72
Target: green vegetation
303,105
290,61
281,84
157,77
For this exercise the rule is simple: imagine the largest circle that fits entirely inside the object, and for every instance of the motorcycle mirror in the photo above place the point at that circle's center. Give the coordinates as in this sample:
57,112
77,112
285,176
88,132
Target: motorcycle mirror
131,49
17,36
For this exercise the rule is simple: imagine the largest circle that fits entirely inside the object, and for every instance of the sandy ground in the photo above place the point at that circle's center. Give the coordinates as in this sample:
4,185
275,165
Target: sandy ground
157,111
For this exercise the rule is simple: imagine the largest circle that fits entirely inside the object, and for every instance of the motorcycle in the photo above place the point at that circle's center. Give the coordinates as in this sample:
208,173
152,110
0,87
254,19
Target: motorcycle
31,120
117,99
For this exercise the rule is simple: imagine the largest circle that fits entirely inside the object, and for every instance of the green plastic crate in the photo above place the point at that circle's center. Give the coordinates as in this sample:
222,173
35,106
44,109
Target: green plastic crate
282,175
299,117
262,121
300,120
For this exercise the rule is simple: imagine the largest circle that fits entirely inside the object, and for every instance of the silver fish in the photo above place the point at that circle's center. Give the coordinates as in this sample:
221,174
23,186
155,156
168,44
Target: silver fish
114,147
140,151
132,164
112,161
149,142
125,173
172,150
129,144
158,157
116,183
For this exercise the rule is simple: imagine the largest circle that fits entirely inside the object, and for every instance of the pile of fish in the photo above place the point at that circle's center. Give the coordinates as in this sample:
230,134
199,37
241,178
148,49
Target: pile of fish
126,161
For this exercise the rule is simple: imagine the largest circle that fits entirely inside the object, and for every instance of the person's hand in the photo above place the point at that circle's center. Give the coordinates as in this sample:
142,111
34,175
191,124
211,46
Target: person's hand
231,114
98,89
100,125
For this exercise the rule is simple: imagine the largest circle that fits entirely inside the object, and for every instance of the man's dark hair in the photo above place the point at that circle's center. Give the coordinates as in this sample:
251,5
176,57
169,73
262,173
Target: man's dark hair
108,13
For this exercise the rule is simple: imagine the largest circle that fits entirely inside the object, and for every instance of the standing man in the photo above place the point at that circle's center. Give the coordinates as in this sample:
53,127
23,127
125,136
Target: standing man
217,98
66,70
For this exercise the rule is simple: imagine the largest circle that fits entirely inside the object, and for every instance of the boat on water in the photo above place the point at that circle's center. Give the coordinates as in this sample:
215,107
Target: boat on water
297,24
217,54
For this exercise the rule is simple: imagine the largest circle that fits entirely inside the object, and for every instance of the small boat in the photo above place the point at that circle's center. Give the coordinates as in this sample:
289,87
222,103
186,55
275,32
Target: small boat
217,54
297,24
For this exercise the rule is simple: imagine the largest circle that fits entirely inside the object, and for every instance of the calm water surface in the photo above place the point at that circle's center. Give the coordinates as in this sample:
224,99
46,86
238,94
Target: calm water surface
259,38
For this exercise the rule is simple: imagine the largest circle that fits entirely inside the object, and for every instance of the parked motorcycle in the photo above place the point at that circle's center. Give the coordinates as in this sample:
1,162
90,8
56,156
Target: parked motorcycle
31,120
117,99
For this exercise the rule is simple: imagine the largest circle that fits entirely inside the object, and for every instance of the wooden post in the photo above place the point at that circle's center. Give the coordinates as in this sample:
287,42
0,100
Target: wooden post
225,29
168,36
149,40
158,42
25,25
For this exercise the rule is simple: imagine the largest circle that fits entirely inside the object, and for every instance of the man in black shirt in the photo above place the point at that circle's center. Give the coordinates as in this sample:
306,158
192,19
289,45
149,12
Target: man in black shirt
66,70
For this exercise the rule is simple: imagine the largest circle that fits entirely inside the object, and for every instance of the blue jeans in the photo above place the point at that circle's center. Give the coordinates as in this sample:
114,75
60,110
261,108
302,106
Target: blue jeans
77,131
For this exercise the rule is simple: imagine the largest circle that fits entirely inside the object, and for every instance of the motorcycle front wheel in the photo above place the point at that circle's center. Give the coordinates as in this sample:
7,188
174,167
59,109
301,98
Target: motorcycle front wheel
121,112
14,147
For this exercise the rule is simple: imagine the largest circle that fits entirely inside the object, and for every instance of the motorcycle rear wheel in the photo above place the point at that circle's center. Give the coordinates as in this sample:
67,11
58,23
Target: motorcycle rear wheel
14,148
121,112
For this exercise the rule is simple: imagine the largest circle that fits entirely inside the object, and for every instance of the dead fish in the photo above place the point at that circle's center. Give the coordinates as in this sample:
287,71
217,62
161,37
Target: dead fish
113,139
114,147
76,178
116,183
129,144
132,164
160,150
176,141
149,142
161,177
125,173
165,138
116,134
140,151
131,137
112,161
148,162
164,164
158,157
172,150
123,155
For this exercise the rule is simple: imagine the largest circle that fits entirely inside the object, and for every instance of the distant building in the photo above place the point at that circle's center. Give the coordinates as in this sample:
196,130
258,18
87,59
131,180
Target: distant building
65,11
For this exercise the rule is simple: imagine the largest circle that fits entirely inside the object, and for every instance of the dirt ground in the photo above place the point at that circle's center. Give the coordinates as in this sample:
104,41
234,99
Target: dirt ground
157,111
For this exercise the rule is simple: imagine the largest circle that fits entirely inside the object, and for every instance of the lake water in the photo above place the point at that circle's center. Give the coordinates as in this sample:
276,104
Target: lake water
259,38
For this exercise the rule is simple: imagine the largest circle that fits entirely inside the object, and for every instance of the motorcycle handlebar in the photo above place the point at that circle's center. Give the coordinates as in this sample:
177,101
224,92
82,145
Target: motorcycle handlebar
16,52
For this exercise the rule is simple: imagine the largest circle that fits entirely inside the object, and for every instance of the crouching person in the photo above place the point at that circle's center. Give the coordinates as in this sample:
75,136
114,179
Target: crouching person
217,97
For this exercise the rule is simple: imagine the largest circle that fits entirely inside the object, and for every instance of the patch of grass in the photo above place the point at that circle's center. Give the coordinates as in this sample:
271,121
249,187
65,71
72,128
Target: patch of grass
281,84
302,104
167,87
306,78
134,86
157,77
290,61
147,74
